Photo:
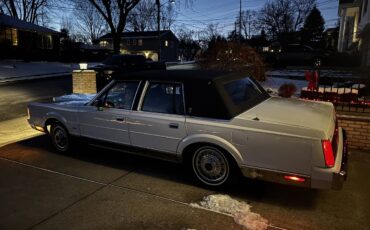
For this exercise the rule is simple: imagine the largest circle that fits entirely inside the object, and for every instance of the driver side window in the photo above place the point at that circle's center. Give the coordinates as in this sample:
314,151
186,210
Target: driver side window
119,96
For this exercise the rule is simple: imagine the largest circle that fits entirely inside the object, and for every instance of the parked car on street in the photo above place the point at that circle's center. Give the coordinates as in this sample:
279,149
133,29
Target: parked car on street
218,123
297,54
118,65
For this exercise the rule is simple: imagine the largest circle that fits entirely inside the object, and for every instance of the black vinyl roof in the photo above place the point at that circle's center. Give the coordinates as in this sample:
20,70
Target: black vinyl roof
204,90
188,76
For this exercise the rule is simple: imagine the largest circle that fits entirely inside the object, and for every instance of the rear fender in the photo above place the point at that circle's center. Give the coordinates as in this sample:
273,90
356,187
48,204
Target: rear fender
211,139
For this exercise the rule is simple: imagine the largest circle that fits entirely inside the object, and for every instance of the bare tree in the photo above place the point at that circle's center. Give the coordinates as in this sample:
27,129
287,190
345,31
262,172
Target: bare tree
277,17
27,10
115,14
188,47
249,22
168,17
144,16
302,9
282,16
89,22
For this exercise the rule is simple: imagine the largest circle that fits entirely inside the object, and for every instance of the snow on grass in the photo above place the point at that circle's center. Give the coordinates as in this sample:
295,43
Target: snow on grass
273,84
240,211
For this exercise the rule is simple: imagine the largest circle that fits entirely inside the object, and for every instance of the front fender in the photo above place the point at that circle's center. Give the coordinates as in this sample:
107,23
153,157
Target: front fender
211,139
57,116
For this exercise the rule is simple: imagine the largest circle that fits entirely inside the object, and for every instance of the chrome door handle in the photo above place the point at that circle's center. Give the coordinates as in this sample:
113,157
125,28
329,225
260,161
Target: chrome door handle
174,125
120,119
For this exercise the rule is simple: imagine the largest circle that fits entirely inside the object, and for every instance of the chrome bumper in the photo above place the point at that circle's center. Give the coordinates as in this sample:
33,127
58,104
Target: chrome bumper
341,176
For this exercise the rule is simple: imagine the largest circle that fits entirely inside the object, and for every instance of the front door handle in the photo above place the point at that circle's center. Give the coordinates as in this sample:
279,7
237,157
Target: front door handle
174,125
120,119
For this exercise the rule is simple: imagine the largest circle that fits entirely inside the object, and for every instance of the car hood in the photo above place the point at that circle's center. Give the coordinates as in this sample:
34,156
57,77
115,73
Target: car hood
294,112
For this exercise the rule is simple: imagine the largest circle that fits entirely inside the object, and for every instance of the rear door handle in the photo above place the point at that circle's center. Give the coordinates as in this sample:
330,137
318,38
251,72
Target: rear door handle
174,125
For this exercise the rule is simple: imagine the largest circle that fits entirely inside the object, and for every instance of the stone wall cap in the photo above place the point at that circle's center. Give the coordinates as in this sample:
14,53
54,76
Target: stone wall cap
353,118
83,71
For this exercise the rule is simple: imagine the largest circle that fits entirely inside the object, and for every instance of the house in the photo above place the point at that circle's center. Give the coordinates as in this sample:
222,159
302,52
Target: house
146,43
354,32
25,40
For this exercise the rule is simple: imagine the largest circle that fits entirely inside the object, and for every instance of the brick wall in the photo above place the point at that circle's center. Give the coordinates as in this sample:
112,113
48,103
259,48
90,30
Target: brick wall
358,131
84,81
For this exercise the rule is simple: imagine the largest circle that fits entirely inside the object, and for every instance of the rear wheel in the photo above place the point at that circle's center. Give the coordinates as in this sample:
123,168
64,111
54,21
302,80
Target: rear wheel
211,166
60,137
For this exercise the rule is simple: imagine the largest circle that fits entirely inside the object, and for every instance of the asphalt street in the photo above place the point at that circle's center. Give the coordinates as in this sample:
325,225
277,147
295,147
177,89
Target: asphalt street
94,188
14,97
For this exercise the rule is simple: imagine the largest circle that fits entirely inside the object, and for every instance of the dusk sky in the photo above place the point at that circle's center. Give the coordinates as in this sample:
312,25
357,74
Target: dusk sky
224,12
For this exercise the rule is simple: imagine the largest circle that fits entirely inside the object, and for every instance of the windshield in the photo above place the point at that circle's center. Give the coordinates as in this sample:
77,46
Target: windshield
245,93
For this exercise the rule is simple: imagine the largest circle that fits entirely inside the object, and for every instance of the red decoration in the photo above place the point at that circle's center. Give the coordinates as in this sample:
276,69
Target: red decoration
312,78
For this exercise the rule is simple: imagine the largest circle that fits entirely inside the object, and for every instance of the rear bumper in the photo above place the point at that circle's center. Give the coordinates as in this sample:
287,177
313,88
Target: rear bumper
341,176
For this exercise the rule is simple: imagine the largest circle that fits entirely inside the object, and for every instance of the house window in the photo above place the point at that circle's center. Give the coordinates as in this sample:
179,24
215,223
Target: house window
134,42
103,43
128,42
45,41
14,37
10,36
166,43
140,42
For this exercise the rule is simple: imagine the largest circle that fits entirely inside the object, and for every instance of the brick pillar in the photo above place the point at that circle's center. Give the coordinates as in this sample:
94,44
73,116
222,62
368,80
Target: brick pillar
84,81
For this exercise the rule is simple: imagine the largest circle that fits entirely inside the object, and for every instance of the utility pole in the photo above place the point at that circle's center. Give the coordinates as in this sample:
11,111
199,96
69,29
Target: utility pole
159,27
240,21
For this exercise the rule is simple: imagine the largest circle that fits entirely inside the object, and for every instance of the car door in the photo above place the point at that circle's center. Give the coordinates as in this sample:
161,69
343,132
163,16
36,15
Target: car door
159,121
106,118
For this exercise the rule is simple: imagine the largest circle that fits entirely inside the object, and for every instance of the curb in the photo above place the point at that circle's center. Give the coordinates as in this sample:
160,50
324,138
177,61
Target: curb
33,77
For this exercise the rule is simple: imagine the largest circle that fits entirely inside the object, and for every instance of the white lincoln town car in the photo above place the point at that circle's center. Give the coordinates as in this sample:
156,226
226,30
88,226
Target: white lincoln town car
219,123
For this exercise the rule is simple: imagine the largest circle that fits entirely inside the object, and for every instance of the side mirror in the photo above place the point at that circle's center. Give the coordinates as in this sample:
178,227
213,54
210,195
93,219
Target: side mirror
98,104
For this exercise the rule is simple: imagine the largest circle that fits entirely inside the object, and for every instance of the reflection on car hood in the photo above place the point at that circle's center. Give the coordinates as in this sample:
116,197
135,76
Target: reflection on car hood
294,112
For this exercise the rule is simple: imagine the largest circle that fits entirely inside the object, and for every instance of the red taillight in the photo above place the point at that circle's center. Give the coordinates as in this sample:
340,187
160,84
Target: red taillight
328,153
294,178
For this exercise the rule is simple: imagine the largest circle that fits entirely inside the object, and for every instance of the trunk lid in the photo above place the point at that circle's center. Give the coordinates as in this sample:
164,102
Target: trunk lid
295,112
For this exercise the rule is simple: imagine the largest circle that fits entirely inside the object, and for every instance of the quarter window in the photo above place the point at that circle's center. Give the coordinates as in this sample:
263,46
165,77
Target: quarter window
119,96
164,98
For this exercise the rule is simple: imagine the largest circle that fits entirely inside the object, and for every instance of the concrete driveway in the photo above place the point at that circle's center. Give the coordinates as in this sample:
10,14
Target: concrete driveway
93,188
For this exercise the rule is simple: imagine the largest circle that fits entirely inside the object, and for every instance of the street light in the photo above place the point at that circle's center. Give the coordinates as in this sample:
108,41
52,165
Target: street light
158,3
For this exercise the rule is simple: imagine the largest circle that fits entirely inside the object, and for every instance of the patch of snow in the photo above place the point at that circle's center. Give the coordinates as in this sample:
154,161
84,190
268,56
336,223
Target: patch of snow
182,66
240,211
76,97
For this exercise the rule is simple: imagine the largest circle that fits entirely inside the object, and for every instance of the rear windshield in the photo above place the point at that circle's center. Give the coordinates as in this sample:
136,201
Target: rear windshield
245,93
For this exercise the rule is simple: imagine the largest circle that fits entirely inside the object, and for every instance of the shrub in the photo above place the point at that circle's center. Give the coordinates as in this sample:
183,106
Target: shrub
287,90
232,56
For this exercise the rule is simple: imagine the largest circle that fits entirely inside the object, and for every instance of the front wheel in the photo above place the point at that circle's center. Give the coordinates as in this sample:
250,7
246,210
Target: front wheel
211,166
60,137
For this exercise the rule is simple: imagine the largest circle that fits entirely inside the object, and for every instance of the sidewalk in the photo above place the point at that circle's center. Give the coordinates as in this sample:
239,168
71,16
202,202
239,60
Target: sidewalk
16,130
15,70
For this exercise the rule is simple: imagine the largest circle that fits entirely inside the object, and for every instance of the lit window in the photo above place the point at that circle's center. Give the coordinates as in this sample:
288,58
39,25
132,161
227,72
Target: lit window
140,42
14,37
166,43
103,43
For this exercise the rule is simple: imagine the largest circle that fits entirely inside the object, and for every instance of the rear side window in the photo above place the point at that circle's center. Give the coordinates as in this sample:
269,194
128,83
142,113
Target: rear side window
244,93
164,98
